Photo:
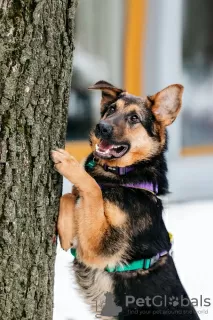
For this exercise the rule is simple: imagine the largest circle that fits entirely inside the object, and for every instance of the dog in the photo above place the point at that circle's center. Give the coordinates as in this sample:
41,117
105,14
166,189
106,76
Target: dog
113,217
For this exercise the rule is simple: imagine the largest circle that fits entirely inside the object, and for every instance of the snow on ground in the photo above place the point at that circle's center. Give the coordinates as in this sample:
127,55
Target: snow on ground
191,225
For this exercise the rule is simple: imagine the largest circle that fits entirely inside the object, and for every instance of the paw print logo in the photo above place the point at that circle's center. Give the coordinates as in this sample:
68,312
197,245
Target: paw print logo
173,301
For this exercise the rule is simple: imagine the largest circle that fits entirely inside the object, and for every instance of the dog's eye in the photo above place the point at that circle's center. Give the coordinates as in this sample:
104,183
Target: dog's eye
111,110
134,118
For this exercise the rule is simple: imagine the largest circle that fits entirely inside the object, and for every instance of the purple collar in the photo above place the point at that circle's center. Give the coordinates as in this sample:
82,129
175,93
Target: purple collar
121,171
142,185
139,185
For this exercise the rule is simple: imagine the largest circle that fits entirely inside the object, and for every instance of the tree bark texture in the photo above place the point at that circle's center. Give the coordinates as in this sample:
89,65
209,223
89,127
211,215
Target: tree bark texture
36,50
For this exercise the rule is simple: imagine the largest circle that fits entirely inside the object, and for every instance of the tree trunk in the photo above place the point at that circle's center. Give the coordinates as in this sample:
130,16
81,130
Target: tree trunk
36,47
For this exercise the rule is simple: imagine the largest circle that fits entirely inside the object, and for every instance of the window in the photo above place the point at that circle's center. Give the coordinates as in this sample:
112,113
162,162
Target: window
198,73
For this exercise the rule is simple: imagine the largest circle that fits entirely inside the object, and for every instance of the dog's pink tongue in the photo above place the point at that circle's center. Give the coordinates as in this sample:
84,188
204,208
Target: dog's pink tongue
104,145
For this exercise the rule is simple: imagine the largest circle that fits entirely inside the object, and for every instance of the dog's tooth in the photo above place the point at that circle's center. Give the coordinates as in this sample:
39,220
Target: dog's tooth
103,152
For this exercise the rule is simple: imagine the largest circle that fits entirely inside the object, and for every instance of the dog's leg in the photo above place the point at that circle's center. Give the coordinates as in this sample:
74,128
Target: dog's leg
101,231
66,220
100,224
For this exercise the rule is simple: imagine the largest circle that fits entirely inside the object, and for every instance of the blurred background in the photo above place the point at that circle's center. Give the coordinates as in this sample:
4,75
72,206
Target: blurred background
144,46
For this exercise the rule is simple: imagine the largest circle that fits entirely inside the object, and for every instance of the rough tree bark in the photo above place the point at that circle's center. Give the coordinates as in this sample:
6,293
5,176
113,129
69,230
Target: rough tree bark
36,46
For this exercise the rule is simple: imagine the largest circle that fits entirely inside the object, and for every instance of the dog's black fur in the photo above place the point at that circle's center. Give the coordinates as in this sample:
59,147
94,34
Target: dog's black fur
162,280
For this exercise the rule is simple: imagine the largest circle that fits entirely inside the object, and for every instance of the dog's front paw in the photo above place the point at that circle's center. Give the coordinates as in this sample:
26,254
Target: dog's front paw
67,165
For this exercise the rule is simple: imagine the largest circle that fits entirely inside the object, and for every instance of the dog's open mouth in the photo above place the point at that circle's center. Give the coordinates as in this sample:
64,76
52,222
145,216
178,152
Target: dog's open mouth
107,150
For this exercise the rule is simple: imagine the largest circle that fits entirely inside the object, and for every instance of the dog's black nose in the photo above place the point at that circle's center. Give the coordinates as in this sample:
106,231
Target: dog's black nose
104,129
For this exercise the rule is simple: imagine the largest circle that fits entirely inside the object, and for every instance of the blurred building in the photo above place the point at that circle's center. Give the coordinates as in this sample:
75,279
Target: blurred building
143,46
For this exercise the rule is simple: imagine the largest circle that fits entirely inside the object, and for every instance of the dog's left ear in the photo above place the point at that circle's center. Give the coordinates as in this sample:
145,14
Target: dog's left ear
109,92
166,104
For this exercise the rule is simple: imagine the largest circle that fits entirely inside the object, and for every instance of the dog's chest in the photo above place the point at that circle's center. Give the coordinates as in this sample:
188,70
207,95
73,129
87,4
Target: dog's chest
139,205
94,284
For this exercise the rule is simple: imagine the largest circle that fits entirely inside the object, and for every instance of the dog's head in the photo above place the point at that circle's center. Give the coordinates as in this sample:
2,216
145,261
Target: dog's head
131,128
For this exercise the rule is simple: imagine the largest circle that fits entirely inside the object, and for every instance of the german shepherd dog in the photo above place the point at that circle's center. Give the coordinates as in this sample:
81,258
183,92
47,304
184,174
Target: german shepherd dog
113,217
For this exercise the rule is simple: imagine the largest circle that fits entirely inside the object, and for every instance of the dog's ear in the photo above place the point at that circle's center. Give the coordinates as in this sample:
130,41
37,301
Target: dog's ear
109,92
166,104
